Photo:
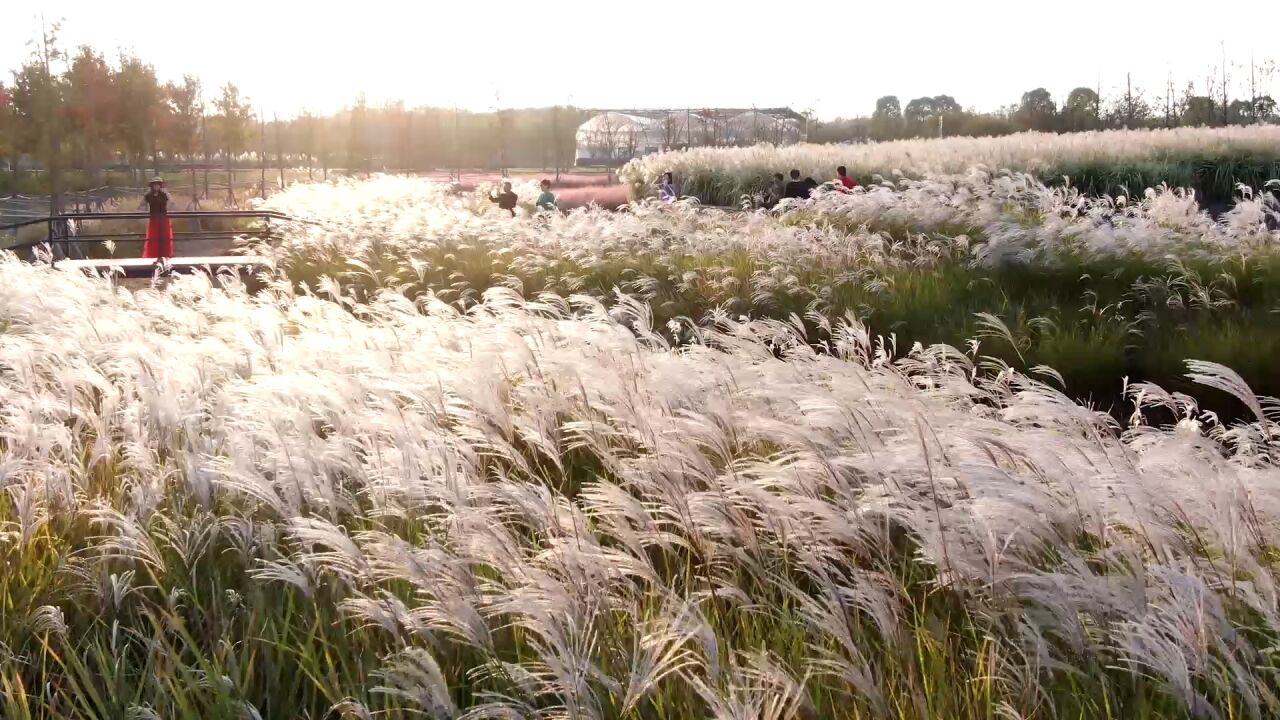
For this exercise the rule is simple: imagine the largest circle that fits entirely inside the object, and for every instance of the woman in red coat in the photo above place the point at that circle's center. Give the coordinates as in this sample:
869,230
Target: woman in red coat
159,243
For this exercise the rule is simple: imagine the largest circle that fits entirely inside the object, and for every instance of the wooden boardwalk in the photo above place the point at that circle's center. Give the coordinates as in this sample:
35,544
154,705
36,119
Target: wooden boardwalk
146,267
198,250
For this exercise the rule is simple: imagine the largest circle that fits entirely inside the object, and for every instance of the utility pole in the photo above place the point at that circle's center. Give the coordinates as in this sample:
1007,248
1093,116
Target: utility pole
457,169
1253,90
555,139
502,132
191,160
262,153
1208,92
1097,106
54,142
408,162
1128,101
324,147
204,145
308,142
1226,117
279,150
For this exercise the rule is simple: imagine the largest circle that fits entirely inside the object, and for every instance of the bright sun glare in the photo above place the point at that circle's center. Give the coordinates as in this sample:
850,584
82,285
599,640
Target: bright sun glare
836,58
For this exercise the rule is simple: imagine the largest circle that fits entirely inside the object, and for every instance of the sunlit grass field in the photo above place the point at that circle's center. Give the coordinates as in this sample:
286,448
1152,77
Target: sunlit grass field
668,462
1099,290
1210,161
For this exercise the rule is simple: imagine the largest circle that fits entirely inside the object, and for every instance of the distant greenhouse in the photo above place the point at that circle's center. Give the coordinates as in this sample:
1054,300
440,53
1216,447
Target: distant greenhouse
613,137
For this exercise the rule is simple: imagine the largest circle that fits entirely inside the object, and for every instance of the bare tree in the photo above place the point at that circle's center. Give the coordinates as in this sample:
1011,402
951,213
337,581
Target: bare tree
504,131
357,144
408,150
670,130
562,134
630,142
603,136
1226,84
307,144
1168,107
204,149
234,119
1097,105
324,148
1261,104
39,98
187,106
1131,109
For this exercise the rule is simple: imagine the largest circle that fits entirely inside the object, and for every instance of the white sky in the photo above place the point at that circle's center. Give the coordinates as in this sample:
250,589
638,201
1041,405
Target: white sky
288,55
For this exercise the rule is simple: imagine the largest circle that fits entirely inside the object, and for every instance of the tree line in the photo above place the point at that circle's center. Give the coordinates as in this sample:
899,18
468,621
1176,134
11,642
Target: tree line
1209,105
80,116
77,116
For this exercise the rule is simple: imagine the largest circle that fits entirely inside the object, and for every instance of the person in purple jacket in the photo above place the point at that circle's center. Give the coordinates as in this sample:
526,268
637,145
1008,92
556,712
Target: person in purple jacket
667,188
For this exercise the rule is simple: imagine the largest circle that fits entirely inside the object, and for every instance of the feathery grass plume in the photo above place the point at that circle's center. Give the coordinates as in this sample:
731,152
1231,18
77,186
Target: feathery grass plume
1227,380
459,502
1097,162
414,675
918,259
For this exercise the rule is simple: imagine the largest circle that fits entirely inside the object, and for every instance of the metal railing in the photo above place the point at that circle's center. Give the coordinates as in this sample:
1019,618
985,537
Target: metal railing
66,234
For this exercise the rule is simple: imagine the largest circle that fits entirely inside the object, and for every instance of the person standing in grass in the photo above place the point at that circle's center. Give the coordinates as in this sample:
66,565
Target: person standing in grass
547,199
842,176
159,238
506,199
667,188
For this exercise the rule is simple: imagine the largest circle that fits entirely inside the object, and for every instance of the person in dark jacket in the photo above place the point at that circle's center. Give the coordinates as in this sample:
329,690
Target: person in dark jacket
506,199
798,188
159,238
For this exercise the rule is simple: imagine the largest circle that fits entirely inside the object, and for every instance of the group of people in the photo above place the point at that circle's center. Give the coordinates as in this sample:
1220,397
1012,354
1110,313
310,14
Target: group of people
159,238
507,199
781,188
798,188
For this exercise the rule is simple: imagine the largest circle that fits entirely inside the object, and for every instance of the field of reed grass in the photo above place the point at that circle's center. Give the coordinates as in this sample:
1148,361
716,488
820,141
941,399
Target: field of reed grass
668,462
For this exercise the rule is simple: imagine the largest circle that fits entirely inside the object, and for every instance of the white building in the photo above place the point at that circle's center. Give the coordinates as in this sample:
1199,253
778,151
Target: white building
615,136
